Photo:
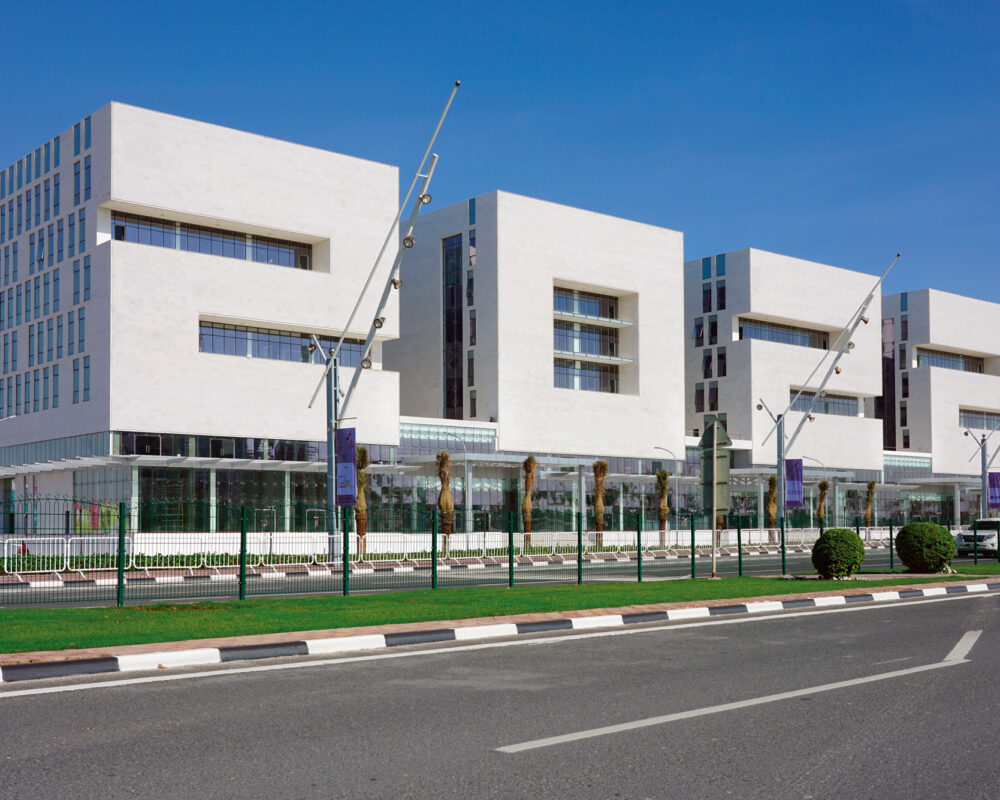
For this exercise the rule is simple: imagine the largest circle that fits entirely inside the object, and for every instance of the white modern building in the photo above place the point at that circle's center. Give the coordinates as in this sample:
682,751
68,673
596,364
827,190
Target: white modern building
562,326
161,278
758,324
942,376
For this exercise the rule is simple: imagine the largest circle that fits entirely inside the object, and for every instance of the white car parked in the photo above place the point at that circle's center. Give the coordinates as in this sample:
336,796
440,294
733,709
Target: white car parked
983,540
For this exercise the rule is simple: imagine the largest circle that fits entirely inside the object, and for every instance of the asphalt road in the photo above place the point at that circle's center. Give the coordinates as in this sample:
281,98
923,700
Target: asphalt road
491,576
428,721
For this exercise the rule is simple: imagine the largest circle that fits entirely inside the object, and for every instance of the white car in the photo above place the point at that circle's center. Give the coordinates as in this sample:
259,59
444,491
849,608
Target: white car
983,540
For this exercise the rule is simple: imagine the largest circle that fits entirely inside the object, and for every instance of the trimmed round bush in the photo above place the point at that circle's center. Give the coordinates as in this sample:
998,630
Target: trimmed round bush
838,553
925,546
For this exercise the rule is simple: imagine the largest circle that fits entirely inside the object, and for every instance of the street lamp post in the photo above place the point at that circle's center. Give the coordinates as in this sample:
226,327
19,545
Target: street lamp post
779,422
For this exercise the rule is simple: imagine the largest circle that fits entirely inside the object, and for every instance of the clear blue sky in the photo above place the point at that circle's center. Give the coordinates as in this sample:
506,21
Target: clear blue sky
838,132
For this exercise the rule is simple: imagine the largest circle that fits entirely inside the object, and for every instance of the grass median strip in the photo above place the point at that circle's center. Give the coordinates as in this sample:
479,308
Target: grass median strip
29,629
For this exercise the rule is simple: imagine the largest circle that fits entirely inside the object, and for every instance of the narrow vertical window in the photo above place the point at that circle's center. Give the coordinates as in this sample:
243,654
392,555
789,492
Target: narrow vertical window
706,364
76,139
55,194
48,198
86,277
55,386
35,386
720,295
904,328
70,333
904,302
86,133
83,230
76,380
472,247
720,362
55,289
471,362
699,397
86,378
706,268
902,415
71,241
699,332
720,265
59,241
472,326
902,356
55,152
47,290
706,297
472,403
469,289
76,281
38,163
713,396
472,211
59,336
52,241
45,389
713,329
905,385
86,178
76,183
49,348
81,330
48,156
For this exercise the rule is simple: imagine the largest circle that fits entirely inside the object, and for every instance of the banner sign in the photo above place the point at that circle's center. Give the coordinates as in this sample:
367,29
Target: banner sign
346,467
994,485
793,483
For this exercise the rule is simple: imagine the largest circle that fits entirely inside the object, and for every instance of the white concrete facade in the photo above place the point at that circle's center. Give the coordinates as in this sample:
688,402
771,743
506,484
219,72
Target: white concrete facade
793,298
146,302
940,402
526,250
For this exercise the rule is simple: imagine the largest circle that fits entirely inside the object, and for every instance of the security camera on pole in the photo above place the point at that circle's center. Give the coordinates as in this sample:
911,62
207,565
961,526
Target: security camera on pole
984,467
342,492
843,344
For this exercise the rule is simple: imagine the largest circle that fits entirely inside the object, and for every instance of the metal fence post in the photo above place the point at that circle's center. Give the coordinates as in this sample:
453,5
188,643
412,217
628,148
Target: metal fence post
510,549
347,552
434,548
638,545
693,568
122,519
739,543
66,523
975,541
243,552
857,526
892,562
579,547
783,569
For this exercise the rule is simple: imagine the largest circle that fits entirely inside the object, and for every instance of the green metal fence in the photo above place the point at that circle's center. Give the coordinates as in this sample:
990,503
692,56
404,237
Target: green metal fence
59,550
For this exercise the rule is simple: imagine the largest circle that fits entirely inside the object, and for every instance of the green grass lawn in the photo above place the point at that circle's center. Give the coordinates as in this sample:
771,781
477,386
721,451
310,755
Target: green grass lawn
982,568
28,629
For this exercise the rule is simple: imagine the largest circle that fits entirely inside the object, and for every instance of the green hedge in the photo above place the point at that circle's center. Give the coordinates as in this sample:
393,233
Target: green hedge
838,553
925,546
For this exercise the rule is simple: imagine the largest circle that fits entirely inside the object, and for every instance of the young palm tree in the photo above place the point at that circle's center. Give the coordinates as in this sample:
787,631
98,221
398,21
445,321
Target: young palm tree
600,473
662,507
361,506
445,504
530,466
869,503
823,487
771,505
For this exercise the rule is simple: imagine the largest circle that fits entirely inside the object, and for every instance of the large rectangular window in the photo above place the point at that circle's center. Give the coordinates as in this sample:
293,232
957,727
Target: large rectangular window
210,241
984,420
249,342
706,364
585,376
454,389
588,304
785,334
839,405
570,337
958,361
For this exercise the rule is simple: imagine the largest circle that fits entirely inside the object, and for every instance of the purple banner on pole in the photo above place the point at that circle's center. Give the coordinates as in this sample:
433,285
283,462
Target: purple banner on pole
793,483
994,484
347,481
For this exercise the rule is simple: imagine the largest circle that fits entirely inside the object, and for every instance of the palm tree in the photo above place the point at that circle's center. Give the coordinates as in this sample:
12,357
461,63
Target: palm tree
530,466
869,503
361,504
445,504
600,473
662,507
823,487
771,506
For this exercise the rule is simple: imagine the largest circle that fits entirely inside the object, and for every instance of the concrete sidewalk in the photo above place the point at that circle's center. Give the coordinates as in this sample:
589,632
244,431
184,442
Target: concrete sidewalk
151,656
